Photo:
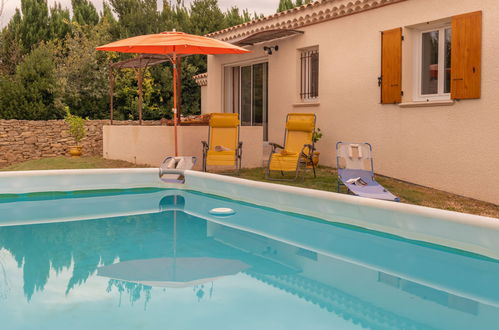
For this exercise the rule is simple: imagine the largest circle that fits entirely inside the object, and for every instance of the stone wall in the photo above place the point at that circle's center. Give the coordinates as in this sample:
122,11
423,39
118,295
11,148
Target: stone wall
22,140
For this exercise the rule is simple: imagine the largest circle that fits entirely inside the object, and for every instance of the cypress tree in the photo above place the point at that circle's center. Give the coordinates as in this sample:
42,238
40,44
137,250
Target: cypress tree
59,22
84,12
285,5
206,17
34,25
136,17
10,45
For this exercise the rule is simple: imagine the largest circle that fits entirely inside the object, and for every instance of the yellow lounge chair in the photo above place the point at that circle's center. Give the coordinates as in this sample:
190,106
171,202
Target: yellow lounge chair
298,146
224,147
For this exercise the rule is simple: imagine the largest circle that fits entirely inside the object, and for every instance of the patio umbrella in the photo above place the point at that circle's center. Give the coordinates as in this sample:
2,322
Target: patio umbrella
172,272
173,44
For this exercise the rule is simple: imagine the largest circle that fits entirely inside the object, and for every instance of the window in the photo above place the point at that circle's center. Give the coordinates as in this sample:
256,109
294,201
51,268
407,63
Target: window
246,93
309,74
447,60
434,64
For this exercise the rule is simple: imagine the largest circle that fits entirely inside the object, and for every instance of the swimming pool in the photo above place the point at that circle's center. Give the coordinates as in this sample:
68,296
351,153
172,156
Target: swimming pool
154,257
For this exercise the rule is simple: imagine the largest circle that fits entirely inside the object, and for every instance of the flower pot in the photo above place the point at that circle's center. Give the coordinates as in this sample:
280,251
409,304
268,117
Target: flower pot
75,151
315,159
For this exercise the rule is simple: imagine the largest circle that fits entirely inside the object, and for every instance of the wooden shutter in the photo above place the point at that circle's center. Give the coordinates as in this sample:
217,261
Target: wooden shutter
391,66
466,55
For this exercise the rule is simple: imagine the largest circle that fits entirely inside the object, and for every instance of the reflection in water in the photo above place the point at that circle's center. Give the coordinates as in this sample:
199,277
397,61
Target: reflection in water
82,245
135,291
171,250
4,280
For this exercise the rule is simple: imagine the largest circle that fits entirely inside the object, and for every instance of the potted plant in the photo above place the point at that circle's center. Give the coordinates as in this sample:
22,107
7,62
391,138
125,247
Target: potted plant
76,130
316,136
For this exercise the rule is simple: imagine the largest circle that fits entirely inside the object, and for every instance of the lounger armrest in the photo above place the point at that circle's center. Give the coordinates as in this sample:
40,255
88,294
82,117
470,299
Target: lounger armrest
275,146
310,147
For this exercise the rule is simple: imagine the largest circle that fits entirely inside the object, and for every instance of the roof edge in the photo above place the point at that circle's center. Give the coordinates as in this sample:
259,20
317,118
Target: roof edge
201,79
307,14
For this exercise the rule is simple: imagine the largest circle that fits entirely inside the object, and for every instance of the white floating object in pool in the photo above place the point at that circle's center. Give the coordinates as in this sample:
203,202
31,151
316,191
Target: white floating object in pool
222,211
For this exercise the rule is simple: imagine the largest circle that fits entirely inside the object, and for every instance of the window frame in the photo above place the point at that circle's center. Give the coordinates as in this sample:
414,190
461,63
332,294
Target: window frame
418,63
302,99
226,97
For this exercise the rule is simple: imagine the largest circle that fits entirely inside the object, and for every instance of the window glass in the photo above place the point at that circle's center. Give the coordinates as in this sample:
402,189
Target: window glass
246,91
258,94
447,50
309,74
231,84
429,63
314,74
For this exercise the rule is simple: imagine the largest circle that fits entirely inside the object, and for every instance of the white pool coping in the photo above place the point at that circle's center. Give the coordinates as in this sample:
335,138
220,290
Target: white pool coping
468,232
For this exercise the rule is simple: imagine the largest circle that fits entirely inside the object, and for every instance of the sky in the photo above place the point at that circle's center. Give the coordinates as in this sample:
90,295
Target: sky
265,7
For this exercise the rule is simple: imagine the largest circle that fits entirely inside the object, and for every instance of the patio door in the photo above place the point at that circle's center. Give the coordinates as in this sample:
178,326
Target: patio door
246,92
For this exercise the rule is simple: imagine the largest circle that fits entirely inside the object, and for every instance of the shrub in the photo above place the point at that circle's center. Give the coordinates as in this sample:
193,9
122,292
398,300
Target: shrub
76,126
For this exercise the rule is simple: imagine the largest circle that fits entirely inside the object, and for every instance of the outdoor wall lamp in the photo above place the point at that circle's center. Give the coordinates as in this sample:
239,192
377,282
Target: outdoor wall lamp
269,49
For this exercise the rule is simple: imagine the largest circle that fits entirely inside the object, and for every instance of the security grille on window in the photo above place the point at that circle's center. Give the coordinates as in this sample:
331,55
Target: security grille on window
309,72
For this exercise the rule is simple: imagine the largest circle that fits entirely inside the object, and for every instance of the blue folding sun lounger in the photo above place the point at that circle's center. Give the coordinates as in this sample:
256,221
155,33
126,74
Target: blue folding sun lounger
356,171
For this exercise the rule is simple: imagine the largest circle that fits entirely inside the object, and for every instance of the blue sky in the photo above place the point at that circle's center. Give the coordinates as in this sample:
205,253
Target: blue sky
260,6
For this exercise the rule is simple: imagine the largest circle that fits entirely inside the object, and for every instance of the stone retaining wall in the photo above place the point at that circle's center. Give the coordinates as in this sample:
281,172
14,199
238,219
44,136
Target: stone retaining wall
22,140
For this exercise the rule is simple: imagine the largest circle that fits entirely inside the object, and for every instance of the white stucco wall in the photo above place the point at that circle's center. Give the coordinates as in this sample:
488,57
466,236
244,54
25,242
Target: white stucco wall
149,145
453,148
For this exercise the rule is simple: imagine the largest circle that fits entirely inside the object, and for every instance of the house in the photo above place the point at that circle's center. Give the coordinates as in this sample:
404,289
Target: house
418,79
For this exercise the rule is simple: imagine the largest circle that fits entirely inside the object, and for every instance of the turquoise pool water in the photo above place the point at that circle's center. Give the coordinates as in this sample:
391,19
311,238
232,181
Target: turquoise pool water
157,259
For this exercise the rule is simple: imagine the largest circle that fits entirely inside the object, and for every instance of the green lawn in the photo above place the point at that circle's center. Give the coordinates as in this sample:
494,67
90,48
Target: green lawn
408,193
61,163
326,180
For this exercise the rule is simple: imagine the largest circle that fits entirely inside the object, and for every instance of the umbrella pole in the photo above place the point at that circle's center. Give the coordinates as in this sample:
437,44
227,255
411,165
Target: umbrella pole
174,62
174,237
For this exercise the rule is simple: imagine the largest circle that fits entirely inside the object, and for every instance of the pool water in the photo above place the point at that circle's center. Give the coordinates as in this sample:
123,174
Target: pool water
157,259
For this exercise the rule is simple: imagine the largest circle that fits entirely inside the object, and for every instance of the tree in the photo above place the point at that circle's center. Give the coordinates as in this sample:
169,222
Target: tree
206,17
10,45
48,58
288,4
136,17
59,22
233,17
32,92
84,12
285,5
82,72
107,14
34,25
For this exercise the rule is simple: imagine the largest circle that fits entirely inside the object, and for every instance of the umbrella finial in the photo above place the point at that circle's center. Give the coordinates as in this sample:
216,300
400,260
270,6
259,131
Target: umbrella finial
174,30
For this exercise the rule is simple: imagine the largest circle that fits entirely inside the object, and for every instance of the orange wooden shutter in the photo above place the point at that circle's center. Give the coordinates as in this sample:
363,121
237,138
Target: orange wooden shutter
466,56
391,66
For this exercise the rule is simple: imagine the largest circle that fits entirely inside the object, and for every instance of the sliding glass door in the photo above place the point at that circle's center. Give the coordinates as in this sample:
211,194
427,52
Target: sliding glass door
246,92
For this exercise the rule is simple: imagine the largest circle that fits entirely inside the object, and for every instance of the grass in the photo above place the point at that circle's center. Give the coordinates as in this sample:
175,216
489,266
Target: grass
326,180
408,193
61,163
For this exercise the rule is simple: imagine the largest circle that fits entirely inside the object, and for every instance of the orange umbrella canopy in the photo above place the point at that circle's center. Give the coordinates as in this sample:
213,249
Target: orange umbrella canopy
172,42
